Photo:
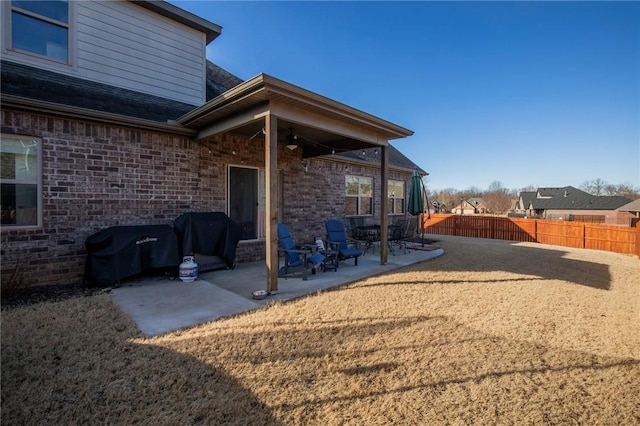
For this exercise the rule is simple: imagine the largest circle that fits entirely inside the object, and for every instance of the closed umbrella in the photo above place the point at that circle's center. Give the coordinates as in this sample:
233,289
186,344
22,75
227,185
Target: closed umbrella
416,200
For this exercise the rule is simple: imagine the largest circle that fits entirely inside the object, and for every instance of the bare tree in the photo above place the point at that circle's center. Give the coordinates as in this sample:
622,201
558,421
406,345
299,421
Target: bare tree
594,187
447,197
599,187
495,186
498,198
624,190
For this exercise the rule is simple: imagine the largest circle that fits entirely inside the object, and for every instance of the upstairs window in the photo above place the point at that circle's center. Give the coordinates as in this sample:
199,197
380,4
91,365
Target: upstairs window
358,196
20,181
396,197
41,28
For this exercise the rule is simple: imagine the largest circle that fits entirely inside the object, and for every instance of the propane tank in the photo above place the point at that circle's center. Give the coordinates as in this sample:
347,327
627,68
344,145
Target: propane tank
188,269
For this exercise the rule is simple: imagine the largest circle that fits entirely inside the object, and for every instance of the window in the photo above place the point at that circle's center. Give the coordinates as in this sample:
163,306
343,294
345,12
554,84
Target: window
247,202
41,27
20,181
396,197
358,195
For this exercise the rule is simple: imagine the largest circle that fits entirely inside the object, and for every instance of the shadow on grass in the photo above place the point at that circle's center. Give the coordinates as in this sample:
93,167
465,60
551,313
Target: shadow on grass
66,363
532,263
81,362
359,366
77,361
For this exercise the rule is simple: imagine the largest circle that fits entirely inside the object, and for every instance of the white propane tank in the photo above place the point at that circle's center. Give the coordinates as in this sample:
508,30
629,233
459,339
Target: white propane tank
188,269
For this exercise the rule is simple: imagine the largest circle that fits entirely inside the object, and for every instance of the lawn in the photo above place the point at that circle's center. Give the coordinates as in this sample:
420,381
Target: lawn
492,332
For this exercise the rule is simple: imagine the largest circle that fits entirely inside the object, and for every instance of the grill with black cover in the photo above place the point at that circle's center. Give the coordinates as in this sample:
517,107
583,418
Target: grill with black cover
121,252
212,238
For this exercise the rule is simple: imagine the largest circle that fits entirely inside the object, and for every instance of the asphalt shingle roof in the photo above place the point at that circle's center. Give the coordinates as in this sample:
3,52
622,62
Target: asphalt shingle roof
527,197
633,206
219,80
396,158
34,83
570,198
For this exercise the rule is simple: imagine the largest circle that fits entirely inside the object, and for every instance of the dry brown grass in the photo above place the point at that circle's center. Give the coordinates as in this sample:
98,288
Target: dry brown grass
489,333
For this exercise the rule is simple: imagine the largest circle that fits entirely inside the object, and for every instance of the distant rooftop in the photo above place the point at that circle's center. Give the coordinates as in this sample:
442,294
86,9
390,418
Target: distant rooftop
570,198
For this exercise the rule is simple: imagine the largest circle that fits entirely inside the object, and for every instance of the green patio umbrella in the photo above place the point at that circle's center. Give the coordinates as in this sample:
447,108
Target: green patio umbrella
416,198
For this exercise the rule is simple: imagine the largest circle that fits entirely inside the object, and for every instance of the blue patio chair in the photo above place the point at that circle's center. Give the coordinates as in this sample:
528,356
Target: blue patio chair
337,240
294,257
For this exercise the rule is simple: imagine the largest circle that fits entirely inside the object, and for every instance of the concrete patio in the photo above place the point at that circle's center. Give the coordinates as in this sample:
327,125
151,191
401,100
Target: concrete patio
158,305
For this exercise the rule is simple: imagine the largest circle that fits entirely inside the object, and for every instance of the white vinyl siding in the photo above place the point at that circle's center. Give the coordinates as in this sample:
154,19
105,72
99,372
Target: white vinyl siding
124,45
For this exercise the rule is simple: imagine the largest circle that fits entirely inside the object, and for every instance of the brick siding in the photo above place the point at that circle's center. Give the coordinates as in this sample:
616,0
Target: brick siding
97,176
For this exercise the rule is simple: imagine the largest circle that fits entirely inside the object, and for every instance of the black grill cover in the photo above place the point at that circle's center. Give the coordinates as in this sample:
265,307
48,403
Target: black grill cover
210,234
120,252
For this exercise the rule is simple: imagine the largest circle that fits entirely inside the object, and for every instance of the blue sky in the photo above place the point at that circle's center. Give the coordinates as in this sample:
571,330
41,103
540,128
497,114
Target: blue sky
524,93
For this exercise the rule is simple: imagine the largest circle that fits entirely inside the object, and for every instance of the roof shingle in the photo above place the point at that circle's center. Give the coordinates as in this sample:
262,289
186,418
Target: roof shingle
34,83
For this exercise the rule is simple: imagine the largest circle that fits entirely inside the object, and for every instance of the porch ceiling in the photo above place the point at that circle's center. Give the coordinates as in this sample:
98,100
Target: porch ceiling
321,124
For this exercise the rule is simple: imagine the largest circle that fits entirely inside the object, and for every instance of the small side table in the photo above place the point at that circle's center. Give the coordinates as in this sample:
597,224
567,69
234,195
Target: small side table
331,259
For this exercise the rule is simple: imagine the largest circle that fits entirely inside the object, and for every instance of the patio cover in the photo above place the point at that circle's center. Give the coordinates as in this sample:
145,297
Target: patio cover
267,104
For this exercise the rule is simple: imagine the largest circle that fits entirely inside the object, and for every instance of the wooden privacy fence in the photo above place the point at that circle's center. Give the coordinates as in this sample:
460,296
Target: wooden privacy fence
617,239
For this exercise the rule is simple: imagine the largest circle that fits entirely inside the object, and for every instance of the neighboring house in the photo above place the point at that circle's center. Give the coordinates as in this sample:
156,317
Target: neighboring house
633,208
478,204
436,206
470,206
569,203
112,115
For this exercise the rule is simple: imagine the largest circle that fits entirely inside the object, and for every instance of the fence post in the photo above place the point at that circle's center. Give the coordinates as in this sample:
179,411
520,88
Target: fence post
638,239
584,236
493,221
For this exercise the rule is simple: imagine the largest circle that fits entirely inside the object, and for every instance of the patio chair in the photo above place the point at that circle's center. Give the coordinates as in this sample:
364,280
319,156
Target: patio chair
365,235
398,236
295,257
338,241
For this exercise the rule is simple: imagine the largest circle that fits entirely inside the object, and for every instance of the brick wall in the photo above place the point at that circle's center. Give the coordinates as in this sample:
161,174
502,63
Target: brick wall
96,176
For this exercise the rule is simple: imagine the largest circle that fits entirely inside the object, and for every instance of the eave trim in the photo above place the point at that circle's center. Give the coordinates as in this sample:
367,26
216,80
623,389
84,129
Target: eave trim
278,88
71,112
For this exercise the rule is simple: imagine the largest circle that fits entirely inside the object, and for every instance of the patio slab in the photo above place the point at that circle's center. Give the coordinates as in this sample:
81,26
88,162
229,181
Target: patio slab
159,305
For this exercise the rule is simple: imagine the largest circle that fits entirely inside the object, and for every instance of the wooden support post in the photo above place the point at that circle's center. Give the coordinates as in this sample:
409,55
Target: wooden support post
384,205
271,189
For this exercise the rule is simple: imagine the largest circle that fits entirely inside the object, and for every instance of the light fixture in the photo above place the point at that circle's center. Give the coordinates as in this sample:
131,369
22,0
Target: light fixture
263,131
292,139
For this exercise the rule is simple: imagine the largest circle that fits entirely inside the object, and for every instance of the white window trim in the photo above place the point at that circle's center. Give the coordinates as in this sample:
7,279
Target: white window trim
34,59
360,196
393,198
38,182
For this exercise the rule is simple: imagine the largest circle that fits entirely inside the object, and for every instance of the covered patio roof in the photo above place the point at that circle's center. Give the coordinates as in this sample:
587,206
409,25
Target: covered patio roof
276,109
323,126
